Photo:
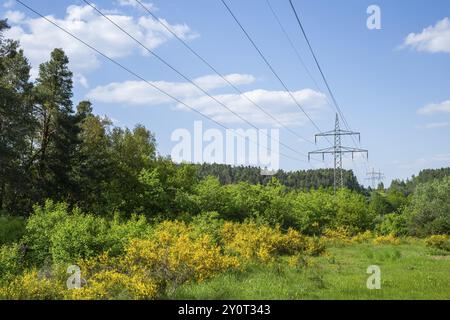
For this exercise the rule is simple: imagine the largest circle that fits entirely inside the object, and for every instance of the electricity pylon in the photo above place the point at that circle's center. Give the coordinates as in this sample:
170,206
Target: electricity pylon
374,176
337,151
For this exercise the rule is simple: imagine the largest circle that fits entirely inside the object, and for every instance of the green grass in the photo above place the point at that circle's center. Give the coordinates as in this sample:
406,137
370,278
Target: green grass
408,271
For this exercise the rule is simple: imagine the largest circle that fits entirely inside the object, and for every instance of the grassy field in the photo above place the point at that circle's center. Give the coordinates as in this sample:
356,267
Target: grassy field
408,271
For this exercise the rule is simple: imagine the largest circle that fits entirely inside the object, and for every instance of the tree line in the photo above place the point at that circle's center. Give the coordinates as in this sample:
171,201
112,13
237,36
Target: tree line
294,180
50,149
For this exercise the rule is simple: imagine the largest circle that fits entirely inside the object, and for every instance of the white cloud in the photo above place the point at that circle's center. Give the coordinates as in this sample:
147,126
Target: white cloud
432,39
277,103
78,78
432,161
435,108
14,16
435,125
134,4
38,37
212,81
8,4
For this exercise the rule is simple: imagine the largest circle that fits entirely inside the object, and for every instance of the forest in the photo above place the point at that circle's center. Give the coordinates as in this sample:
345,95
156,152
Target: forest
78,192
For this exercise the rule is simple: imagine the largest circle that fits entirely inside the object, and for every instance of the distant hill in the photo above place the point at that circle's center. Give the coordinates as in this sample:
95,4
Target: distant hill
424,176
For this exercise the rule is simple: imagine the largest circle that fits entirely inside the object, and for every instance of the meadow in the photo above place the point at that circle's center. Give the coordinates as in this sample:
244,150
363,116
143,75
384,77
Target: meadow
63,254
408,271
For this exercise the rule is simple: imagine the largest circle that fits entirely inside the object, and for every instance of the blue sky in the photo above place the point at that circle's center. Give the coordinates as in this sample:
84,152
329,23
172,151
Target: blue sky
392,84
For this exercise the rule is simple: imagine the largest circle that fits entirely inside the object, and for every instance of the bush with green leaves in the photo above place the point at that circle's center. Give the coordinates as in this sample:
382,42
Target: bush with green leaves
11,261
207,223
317,210
119,232
11,229
393,223
313,211
40,228
276,205
380,204
429,210
210,195
56,234
79,236
397,199
353,212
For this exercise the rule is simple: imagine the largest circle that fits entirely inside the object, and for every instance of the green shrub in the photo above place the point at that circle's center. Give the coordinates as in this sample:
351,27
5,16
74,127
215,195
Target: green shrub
277,205
429,210
211,196
120,233
207,223
317,210
380,204
11,261
53,234
397,199
79,236
40,228
243,200
353,212
392,223
11,229
313,211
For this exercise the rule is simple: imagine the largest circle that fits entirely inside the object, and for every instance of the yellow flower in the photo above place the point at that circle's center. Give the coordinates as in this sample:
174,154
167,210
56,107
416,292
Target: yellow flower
32,286
390,239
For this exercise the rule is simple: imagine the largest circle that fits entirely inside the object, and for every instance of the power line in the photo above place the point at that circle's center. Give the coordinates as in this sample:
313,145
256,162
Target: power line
320,70
297,53
183,75
291,43
317,63
138,76
269,65
187,46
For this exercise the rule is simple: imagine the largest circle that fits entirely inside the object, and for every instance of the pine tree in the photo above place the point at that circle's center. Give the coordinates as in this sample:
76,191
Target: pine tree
16,122
57,135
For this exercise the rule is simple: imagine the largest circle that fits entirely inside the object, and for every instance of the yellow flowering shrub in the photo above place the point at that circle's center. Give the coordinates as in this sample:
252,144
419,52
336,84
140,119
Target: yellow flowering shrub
362,237
177,260
342,236
339,235
111,284
389,239
250,241
441,242
314,246
172,254
263,243
32,286
150,267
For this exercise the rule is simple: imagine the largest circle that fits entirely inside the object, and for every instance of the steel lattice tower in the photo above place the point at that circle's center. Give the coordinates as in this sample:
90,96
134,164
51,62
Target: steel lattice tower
337,156
374,176
337,150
